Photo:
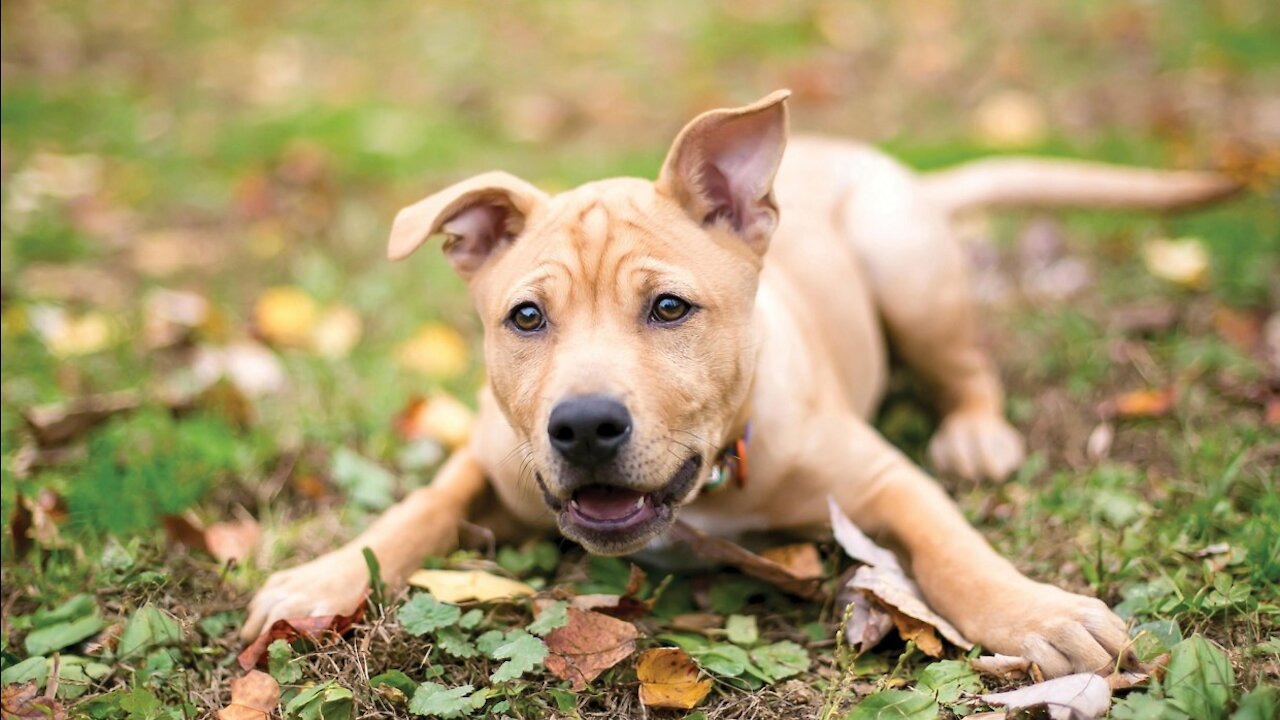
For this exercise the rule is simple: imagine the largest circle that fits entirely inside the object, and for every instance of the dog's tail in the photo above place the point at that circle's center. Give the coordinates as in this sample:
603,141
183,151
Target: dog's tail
1038,182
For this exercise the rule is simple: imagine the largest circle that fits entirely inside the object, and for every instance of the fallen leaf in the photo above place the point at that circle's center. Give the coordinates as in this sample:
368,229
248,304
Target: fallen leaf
1139,404
439,417
336,332
36,520
68,335
311,629
719,550
1183,262
1083,696
1010,119
801,560
883,579
1098,447
455,586
23,702
1009,668
697,622
254,696
588,645
437,351
250,367
225,541
59,423
170,317
285,316
625,606
1243,330
669,679
1145,318
1126,679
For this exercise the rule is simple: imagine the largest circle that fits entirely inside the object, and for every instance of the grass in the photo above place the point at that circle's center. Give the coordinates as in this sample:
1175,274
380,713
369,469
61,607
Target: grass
256,146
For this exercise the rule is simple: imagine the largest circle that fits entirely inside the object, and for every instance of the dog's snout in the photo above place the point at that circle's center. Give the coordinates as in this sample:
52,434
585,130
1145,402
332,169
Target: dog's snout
588,430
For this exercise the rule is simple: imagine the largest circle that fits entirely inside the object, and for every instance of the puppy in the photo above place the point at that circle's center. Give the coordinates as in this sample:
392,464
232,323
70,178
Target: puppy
712,345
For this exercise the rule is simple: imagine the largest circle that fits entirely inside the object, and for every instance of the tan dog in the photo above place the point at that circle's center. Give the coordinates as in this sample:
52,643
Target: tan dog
634,328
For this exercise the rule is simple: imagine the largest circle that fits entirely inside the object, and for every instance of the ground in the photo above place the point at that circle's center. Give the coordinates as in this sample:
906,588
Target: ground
250,157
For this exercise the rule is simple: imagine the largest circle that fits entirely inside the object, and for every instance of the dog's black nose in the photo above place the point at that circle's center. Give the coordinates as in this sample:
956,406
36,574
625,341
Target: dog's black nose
588,430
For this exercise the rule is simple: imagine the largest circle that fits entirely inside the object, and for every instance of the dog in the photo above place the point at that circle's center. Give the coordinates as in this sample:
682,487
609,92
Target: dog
643,339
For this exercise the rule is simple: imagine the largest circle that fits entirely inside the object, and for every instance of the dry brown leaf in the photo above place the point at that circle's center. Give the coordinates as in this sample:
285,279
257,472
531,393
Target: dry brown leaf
801,560
439,417
225,541
669,679
1082,696
437,351
1140,404
719,550
1241,329
253,697
588,645
59,423
285,316
36,520
455,586
919,632
1126,679
698,622
311,629
24,702
883,579
1184,261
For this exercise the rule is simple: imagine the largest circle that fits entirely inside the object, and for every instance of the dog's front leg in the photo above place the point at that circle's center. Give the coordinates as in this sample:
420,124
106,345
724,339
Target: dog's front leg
961,575
424,523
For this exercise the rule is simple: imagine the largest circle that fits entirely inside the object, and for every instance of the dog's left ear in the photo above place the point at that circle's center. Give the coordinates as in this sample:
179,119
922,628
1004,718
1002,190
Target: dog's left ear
721,167
478,215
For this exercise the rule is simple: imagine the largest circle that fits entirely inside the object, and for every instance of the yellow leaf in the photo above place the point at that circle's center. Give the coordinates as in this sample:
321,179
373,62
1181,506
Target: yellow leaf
1010,119
285,316
440,417
437,351
336,332
669,679
67,336
454,586
1184,261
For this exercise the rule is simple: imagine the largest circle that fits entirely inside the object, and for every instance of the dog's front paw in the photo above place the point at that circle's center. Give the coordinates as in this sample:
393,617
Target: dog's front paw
332,584
1060,631
976,445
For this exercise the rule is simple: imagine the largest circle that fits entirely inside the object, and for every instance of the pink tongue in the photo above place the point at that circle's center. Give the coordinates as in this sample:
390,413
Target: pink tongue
606,503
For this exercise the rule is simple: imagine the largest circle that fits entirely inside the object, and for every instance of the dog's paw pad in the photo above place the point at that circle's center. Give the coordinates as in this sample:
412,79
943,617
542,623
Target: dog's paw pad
976,446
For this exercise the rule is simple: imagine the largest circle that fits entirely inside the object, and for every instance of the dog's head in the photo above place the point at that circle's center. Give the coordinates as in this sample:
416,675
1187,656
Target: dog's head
618,317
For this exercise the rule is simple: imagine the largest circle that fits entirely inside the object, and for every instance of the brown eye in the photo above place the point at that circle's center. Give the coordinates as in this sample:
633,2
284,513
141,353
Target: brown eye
527,318
669,309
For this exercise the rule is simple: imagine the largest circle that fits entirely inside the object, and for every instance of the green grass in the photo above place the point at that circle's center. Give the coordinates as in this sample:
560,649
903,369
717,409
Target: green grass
287,135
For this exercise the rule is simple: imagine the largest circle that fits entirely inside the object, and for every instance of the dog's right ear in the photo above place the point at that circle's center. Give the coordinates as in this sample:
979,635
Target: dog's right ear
478,215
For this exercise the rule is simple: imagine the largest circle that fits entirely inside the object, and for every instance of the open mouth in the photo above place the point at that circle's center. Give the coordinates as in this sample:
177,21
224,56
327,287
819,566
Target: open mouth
611,519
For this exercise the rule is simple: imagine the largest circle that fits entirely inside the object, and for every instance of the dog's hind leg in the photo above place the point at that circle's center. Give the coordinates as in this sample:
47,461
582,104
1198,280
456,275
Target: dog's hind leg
424,523
917,271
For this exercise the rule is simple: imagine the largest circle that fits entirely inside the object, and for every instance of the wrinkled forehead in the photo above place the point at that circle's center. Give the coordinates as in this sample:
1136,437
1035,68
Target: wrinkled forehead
599,241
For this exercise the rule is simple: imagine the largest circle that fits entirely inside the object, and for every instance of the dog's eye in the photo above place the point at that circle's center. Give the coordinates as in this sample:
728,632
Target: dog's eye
669,309
527,317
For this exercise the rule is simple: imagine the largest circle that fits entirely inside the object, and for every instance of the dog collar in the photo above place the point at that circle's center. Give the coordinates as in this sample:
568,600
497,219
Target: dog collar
730,467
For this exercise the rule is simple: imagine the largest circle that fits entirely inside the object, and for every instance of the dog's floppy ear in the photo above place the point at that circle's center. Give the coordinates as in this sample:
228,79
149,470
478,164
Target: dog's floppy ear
478,215
721,167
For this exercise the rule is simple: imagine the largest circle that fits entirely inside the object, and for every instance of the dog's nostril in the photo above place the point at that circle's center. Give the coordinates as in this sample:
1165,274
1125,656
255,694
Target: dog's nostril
563,433
609,431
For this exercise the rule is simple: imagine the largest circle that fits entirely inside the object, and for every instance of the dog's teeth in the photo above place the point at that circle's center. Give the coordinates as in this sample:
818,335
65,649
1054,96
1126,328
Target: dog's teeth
573,504
639,503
